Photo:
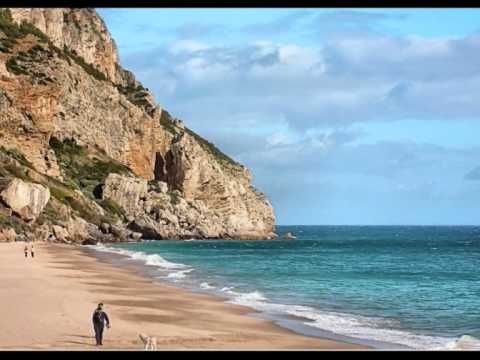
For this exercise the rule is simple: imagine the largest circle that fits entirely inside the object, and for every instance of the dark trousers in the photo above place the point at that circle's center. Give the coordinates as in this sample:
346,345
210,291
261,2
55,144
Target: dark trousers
98,333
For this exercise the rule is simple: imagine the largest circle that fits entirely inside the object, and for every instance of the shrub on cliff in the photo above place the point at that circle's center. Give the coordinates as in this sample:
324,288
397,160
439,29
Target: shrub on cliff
166,121
79,166
14,31
8,221
87,172
136,95
28,28
89,68
221,157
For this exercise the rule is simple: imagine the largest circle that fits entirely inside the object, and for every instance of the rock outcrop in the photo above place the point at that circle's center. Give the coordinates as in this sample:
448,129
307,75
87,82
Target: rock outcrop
60,233
80,30
73,120
160,214
288,236
128,192
27,200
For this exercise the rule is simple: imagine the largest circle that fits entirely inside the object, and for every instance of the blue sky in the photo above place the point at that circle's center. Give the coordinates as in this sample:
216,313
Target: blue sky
345,116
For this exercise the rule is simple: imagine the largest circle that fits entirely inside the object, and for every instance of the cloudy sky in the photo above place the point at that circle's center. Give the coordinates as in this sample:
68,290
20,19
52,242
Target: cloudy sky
344,116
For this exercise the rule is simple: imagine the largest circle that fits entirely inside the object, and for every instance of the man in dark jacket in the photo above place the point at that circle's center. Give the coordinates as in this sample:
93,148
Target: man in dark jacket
99,318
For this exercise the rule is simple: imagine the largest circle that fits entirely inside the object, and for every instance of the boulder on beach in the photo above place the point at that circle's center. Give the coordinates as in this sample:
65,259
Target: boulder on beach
105,228
136,235
77,229
89,241
61,234
26,199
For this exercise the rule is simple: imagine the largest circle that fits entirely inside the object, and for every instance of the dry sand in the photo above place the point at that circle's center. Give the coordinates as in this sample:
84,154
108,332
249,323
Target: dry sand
47,302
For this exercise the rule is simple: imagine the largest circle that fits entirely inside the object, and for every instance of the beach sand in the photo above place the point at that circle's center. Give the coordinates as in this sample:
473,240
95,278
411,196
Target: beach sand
47,302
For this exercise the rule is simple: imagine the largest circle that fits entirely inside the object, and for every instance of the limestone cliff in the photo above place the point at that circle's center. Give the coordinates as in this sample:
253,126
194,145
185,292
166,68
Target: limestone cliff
81,30
73,120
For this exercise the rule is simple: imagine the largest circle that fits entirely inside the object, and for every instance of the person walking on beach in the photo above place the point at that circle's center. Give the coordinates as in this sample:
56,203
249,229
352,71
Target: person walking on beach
99,318
32,251
26,250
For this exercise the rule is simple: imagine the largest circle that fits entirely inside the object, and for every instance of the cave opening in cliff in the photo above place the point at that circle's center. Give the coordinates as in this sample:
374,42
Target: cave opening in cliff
159,170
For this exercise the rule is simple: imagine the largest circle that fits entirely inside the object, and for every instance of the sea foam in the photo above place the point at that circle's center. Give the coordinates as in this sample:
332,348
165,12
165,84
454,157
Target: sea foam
206,286
345,324
179,274
466,342
147,259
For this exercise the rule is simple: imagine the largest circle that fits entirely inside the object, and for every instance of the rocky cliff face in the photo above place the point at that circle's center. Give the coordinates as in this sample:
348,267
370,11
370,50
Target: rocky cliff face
81,30
73,120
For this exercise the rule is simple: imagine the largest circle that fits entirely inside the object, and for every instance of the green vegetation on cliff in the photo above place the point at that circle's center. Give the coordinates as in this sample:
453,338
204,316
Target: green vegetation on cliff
86,172
13,164
14,222
221,157
136,95
83,173
166,121
82,167
13,31
89,68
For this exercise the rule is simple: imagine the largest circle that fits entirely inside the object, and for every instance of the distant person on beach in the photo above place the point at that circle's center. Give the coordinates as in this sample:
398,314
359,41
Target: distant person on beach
32,251
99,318
26,250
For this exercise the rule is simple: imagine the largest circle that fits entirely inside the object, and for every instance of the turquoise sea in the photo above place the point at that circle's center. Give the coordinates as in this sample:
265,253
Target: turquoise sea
388,286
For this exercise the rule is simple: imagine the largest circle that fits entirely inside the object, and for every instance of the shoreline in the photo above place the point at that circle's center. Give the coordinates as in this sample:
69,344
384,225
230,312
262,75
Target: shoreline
292,323
55,293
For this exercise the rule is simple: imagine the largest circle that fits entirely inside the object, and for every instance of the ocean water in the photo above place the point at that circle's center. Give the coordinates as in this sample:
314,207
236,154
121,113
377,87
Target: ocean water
405,286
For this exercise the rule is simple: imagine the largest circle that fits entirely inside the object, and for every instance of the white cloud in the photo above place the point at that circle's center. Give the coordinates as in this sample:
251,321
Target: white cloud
278,139
282,107
187,46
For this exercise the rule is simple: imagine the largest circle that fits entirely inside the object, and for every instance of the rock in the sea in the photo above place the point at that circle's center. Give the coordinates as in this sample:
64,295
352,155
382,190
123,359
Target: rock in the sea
7,235
272,235
26,199
288,236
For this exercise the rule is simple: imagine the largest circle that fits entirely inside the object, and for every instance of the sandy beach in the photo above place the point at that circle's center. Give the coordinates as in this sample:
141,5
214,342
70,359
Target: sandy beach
46,303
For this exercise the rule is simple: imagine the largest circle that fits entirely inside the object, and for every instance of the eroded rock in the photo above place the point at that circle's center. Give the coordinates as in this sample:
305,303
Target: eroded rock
128,192
77,229
27,200
61,234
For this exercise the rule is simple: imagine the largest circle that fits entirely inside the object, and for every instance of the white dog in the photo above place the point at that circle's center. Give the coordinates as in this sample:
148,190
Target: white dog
150,342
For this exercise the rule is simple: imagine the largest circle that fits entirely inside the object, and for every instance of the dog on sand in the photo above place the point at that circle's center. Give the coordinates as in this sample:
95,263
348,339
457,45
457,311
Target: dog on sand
149,342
